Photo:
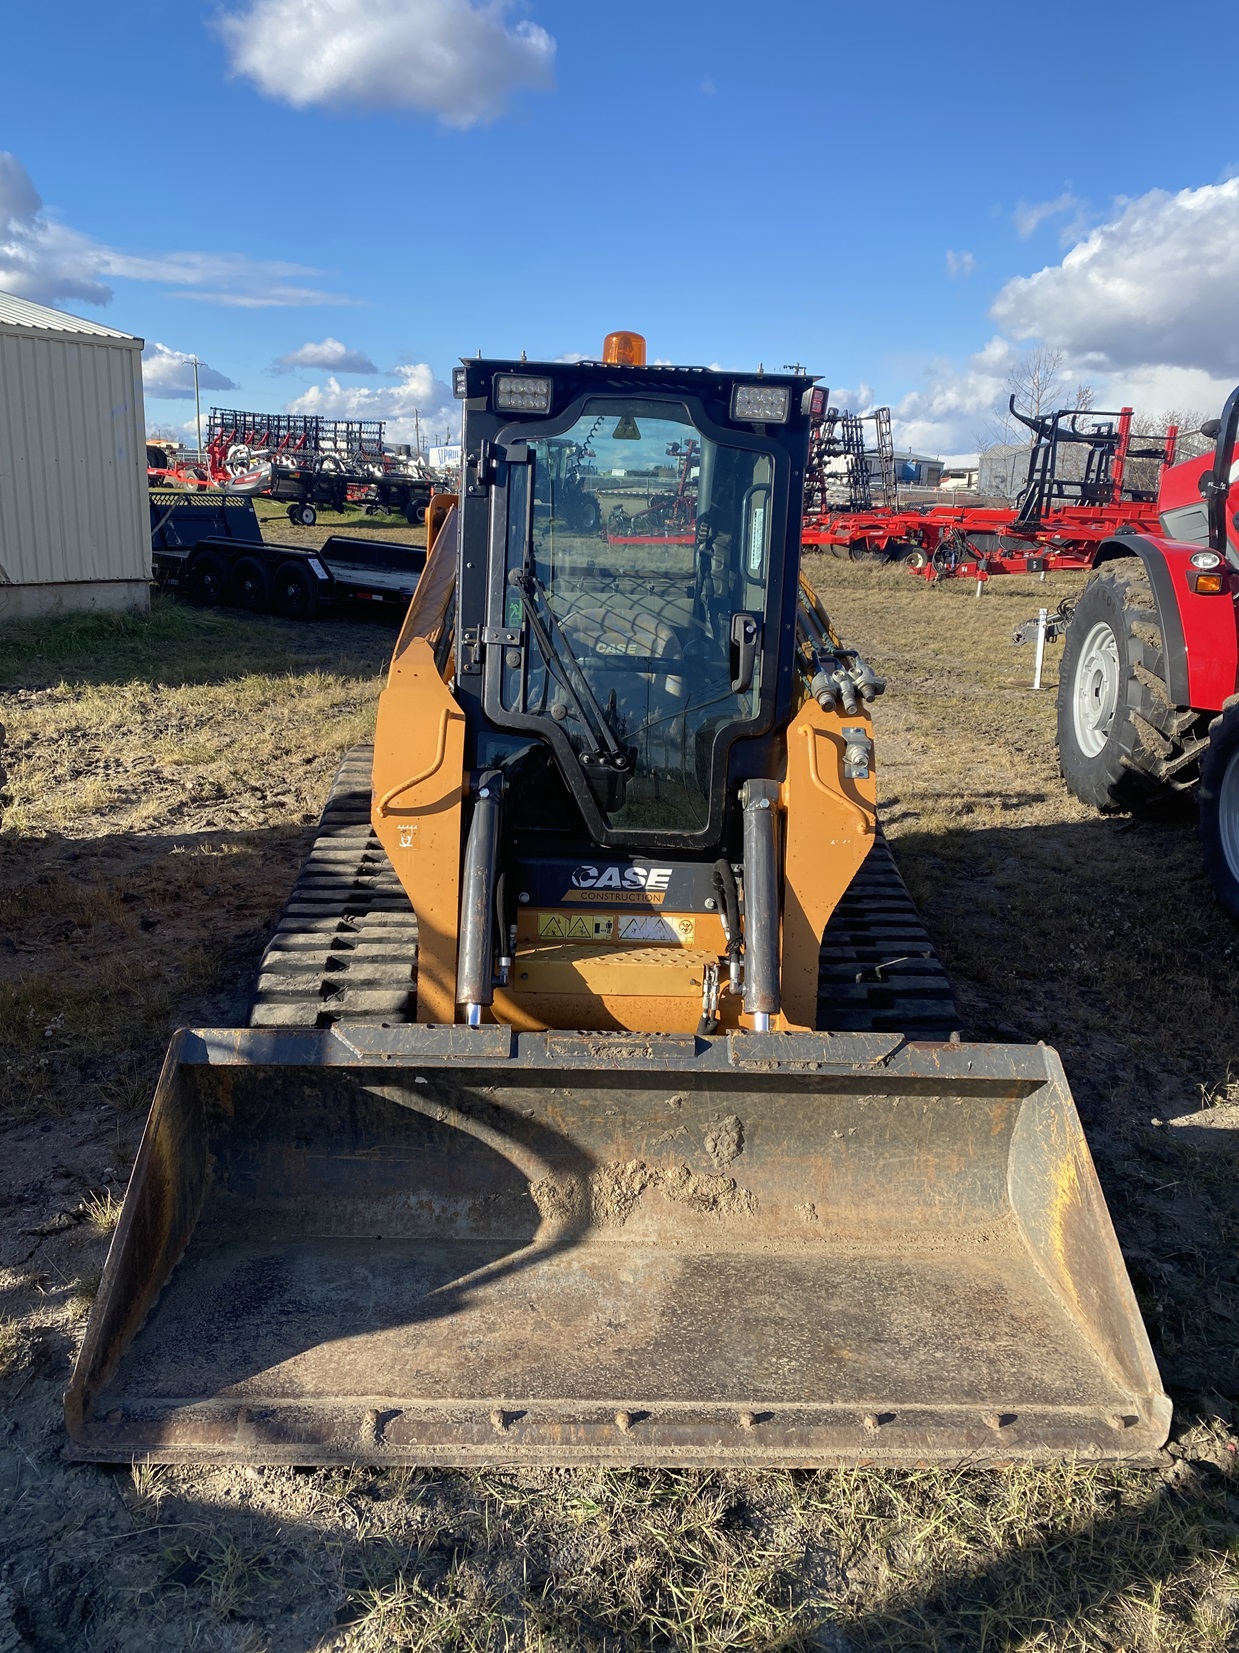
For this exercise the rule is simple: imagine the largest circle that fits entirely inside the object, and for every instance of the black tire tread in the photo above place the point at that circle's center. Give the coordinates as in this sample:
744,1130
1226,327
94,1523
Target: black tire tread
345,947
1151,732
1222,734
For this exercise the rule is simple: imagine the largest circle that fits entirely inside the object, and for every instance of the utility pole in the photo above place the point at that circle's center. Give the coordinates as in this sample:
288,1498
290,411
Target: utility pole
197,407
417,434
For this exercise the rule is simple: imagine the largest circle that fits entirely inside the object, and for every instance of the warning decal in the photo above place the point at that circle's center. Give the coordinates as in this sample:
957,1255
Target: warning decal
576,926
655,928
620,927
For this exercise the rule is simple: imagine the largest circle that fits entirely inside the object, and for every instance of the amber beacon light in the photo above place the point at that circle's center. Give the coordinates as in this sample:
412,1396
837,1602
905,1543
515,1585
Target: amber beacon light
624,350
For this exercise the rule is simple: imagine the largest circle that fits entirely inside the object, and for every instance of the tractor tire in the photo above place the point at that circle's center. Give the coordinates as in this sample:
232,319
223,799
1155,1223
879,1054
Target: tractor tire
251,585
1118,734
295,591
208,579
1218,795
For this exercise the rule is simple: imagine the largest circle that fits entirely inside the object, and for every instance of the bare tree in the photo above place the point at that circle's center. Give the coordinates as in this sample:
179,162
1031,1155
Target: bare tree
1143,474
1037,382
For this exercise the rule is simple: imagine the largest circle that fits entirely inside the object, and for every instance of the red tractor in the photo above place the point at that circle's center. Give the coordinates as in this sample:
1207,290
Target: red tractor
1147,702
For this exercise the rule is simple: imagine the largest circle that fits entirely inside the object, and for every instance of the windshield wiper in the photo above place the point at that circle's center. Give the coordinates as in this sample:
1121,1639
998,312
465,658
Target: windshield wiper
564,667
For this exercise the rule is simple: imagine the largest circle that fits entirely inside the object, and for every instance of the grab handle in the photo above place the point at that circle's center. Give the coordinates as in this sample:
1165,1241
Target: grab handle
381,808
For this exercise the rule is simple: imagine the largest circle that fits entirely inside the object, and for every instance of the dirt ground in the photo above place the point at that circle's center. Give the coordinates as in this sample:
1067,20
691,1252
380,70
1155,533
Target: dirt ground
163,778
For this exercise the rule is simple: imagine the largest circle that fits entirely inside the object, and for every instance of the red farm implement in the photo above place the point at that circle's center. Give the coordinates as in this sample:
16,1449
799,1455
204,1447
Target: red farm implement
1090,477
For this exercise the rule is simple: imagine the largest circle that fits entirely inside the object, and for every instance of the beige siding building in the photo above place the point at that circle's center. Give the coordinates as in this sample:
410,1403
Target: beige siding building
74,518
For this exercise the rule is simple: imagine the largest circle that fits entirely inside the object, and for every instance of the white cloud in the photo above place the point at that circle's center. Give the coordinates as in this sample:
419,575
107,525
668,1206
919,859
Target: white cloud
859,400
960,264
953,406
45,260
170,373
1153,389
457,59
417,390
1158,284
1144,308
330,354
1027,217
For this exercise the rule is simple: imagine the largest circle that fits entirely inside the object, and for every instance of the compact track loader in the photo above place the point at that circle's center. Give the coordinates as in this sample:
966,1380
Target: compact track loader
601,1100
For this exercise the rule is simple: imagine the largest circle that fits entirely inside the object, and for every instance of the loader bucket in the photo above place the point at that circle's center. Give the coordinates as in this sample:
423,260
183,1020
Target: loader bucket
444,1245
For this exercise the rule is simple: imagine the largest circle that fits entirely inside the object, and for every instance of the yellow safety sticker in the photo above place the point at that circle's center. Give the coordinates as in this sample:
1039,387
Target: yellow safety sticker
576,926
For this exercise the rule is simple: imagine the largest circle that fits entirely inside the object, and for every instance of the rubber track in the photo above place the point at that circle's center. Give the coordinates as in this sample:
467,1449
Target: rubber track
878,971
345,948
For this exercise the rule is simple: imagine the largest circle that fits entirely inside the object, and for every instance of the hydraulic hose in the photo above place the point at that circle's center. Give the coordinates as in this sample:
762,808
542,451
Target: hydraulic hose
729,905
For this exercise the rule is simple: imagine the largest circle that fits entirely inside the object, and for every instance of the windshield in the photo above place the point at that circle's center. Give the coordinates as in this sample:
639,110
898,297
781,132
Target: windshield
637,562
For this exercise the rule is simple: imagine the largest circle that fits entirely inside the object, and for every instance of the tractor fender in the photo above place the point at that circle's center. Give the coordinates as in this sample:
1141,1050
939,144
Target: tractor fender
1200,640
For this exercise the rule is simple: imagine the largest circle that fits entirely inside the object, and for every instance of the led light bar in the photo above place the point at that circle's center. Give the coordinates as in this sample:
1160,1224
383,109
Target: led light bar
761,404
520,393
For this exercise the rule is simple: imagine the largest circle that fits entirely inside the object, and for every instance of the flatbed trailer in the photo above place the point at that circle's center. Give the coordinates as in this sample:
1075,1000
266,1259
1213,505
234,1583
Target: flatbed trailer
209,547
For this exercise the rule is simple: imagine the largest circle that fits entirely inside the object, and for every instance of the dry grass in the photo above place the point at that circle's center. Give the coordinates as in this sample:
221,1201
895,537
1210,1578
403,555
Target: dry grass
164,773
101,1209
14,1343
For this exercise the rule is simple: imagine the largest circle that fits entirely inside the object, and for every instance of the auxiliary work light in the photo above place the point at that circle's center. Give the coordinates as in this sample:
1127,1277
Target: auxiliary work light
522,393
761,404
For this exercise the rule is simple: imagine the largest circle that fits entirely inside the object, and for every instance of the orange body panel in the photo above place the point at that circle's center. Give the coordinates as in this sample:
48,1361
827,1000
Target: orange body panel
416,812
418,782
829,825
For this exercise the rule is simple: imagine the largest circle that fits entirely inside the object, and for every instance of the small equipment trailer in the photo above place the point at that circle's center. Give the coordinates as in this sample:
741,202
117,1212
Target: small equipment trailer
311,462
209,548
1090,476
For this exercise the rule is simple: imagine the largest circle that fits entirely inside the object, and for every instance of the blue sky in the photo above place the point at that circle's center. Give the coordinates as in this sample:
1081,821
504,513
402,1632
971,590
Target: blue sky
903,200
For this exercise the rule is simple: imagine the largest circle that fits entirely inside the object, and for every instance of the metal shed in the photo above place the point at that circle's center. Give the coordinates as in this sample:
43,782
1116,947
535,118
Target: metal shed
74,521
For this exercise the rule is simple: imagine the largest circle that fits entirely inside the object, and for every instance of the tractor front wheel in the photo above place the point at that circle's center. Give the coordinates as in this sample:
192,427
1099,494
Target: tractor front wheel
1118,735
1219,807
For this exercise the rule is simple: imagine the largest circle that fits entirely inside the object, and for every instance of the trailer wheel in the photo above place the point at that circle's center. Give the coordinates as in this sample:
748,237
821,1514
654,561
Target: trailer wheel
1219,807
251,585
415,513
208,579
296,591
304,515
916,558
1118,734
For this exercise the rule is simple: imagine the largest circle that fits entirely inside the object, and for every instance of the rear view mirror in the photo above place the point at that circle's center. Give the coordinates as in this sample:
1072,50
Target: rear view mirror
1210,428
